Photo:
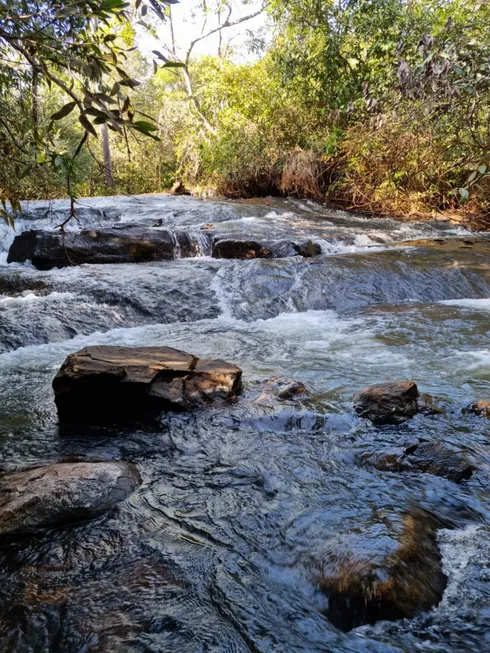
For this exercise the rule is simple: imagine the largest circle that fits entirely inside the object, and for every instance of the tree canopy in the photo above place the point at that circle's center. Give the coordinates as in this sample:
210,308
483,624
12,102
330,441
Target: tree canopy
377,105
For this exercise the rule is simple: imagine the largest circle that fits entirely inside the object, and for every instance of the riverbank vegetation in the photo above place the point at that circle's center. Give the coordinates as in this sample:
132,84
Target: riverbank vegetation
381,106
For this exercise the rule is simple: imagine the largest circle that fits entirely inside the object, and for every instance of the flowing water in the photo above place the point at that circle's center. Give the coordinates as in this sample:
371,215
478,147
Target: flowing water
209,554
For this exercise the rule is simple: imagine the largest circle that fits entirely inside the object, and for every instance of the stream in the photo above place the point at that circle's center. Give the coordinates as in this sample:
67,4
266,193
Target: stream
208,555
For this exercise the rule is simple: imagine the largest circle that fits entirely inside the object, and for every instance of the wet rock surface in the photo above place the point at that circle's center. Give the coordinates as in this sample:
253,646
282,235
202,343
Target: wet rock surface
479,244
63,493
249,249
388,403
48,249
282,389
118,384
427,457
480,408
388,569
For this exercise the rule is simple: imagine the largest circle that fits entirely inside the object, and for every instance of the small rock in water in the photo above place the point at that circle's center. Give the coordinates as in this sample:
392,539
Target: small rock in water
309,249
389,569
480,408
427,405
282,389
388,403
105,384
428,457
240,249
63,493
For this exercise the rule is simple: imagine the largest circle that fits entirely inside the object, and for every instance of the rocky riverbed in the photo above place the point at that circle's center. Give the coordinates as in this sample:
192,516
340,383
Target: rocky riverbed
315,509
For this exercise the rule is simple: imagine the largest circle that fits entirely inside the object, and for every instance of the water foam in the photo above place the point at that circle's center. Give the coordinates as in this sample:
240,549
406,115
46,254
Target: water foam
30,298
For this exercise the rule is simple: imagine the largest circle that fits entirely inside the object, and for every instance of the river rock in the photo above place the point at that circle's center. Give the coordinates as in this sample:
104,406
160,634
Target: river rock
240,249
281,389
428,457
51,496
388,403
480,408
117,384
134,244
387,569
308,249
250,249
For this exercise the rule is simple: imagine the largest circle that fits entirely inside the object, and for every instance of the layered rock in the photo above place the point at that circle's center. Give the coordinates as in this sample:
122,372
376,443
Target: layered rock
137,243
388,403
118,384
51,496
427,457
49,249
388,569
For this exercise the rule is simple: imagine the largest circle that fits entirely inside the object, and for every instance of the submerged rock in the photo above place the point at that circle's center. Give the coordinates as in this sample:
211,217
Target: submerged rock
428,457
62,493
132,244
117,384
250,249
388,569
19,283
388,403
480,408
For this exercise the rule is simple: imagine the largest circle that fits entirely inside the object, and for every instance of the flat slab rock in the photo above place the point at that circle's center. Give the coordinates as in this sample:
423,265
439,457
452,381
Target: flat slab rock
118,384
59,494
389,403
387,569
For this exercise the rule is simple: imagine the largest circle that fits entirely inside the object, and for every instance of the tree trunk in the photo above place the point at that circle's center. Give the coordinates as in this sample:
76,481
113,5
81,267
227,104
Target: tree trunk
35,108
107,156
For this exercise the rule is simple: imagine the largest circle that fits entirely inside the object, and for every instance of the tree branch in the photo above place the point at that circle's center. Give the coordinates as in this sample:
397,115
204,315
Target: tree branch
226,24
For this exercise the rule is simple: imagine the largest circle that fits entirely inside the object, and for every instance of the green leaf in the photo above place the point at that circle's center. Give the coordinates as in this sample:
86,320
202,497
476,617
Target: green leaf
472,177
64,111
482,169
107,5
464,193
87,125
132,83
144,126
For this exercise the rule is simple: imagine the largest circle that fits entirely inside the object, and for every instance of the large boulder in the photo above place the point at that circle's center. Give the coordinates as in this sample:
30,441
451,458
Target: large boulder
51,496
118,384
427,457
389,569
388,403
49,249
